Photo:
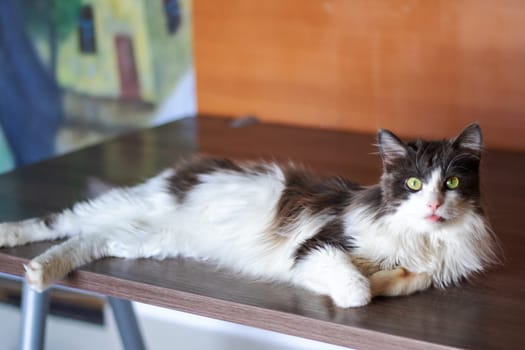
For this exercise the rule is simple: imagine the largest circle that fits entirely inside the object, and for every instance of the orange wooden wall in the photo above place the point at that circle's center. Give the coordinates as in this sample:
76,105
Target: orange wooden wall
422,68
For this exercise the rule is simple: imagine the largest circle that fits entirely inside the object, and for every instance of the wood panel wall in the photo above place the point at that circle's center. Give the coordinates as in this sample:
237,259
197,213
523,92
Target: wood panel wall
421,68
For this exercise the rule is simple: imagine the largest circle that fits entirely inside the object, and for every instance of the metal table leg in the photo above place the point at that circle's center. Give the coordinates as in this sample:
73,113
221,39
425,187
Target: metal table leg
127,324
35,307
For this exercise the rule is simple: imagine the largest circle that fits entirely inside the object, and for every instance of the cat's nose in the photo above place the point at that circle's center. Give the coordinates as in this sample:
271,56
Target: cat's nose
434,204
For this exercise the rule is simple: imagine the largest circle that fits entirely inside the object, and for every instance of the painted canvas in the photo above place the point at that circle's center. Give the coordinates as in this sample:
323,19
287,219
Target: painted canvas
73,72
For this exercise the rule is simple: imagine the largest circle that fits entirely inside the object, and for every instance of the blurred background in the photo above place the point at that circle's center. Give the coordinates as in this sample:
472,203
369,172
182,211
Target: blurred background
73,72
421,68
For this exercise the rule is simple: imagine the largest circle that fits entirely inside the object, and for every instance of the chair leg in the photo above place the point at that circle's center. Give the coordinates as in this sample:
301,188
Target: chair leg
35,307
127,324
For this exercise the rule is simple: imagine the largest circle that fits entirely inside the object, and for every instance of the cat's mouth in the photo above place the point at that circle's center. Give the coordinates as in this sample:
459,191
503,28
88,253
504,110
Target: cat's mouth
435,218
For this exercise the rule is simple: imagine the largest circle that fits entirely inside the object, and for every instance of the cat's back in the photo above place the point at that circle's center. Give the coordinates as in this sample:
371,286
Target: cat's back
281,188
225,194
256,195
206,178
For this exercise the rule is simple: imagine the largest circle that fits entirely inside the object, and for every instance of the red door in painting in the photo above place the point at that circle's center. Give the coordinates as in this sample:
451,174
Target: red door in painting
129,80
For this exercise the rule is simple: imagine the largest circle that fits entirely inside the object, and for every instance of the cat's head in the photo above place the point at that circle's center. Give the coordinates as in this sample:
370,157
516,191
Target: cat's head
432,183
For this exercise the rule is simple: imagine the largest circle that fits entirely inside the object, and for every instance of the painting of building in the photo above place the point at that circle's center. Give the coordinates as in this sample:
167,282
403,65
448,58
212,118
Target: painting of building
126,49
119,64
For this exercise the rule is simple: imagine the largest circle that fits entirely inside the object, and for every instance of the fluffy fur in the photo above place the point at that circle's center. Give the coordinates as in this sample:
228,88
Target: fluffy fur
280,222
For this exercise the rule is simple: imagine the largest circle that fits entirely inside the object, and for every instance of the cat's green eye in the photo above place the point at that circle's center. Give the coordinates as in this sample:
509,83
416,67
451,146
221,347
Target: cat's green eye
452,182
414,183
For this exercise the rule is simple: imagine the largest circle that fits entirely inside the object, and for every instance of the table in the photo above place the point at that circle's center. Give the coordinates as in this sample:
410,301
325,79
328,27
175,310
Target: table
485,313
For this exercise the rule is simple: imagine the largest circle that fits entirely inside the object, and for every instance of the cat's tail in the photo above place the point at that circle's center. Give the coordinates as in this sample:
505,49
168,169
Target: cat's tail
115,223
60,259
51,226
91,233
18,233
48,267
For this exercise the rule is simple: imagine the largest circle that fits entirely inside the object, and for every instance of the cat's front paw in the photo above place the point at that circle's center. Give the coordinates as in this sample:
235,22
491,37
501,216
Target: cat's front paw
36,276
398,281
354,295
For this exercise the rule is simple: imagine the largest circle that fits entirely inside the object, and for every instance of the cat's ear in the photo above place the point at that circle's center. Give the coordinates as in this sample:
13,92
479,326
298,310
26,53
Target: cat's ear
390,146
470,139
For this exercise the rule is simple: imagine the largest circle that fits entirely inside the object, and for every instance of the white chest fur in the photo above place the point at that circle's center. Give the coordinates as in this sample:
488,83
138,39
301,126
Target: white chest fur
448,252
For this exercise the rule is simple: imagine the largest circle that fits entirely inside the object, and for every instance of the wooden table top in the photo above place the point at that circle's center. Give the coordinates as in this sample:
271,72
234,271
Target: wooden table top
486,313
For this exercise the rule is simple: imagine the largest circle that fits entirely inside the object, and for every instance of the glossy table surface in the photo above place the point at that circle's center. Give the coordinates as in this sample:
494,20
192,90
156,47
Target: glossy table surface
485,313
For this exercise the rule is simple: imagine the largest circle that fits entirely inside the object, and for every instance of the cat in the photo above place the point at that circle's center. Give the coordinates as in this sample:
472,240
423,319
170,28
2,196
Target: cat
422,225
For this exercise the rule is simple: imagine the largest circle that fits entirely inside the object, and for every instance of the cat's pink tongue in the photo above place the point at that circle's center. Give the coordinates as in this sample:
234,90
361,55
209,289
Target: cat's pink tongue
434,218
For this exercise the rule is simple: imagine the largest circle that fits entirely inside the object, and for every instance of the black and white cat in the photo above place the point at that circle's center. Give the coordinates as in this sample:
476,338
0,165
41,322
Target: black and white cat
422,225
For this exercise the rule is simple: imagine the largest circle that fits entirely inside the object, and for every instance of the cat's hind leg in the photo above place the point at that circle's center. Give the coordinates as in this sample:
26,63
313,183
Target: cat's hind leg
59,260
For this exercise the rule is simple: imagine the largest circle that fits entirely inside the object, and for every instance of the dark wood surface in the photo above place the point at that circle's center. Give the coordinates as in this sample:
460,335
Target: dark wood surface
486,313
